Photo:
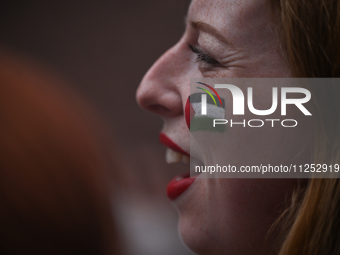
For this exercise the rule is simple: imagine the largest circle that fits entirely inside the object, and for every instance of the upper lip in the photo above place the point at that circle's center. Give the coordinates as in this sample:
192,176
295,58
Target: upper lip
169,143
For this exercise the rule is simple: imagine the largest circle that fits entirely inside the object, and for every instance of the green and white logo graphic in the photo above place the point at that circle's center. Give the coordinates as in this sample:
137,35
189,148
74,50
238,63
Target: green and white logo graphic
204,110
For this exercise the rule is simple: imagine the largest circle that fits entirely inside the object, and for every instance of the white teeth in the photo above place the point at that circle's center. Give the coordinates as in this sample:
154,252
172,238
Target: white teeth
185,159
172,156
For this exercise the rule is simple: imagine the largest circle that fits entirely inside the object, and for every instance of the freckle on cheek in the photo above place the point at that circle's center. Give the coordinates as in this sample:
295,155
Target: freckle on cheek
203,192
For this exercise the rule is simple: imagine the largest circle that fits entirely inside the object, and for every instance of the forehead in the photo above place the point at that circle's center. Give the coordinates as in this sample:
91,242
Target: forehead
233,18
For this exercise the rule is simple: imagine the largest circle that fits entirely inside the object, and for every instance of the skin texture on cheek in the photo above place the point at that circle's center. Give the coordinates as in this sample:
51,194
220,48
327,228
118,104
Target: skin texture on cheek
233,217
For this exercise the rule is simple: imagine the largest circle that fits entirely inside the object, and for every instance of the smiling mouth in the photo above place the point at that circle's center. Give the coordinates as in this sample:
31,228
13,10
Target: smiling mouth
170,144
172,156
175,154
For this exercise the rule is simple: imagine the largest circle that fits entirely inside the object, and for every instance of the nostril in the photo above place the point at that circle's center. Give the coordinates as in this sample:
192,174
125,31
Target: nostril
164,100
159,109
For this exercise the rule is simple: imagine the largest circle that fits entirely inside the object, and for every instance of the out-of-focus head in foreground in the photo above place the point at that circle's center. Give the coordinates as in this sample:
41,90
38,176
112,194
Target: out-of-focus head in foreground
55,178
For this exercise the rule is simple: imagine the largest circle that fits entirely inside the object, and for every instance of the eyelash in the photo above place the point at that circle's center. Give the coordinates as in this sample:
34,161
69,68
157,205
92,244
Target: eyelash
203,57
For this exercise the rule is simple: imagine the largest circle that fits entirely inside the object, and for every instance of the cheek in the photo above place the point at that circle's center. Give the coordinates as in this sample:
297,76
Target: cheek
253,197
233,215
252,206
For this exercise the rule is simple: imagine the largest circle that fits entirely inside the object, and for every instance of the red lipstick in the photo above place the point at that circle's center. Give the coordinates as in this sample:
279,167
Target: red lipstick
178,185
169,143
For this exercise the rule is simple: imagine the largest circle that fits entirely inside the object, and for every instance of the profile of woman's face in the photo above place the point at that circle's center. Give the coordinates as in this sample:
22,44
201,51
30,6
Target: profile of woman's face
223,38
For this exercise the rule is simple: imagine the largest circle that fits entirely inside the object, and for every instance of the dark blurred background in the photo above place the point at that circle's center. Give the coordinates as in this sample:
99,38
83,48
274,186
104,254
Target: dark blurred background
103,49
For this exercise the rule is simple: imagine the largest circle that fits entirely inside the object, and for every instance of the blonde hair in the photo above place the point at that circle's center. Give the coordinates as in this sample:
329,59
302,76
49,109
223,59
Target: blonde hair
310,37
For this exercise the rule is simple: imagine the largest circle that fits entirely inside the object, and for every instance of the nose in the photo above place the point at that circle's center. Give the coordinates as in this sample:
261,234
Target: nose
161,89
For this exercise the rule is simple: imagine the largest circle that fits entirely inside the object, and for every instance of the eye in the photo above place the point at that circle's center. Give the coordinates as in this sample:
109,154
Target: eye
203,57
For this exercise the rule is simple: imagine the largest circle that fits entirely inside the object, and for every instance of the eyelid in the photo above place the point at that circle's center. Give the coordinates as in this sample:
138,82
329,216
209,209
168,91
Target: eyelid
202,56
194,49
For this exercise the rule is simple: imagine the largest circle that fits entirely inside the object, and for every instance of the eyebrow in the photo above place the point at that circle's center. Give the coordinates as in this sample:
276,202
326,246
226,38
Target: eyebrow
210,30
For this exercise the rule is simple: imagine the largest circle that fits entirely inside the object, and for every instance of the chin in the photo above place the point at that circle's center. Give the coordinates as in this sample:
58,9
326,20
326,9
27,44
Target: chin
198,231
194,235
193,225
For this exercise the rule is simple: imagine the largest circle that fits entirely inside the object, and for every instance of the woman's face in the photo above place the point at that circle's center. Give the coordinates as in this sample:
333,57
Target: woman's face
228,38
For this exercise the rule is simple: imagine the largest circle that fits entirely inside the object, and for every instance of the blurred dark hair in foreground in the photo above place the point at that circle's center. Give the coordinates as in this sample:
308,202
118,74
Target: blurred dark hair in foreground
55,162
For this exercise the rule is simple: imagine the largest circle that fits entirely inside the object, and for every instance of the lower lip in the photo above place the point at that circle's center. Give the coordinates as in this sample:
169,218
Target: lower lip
178,185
